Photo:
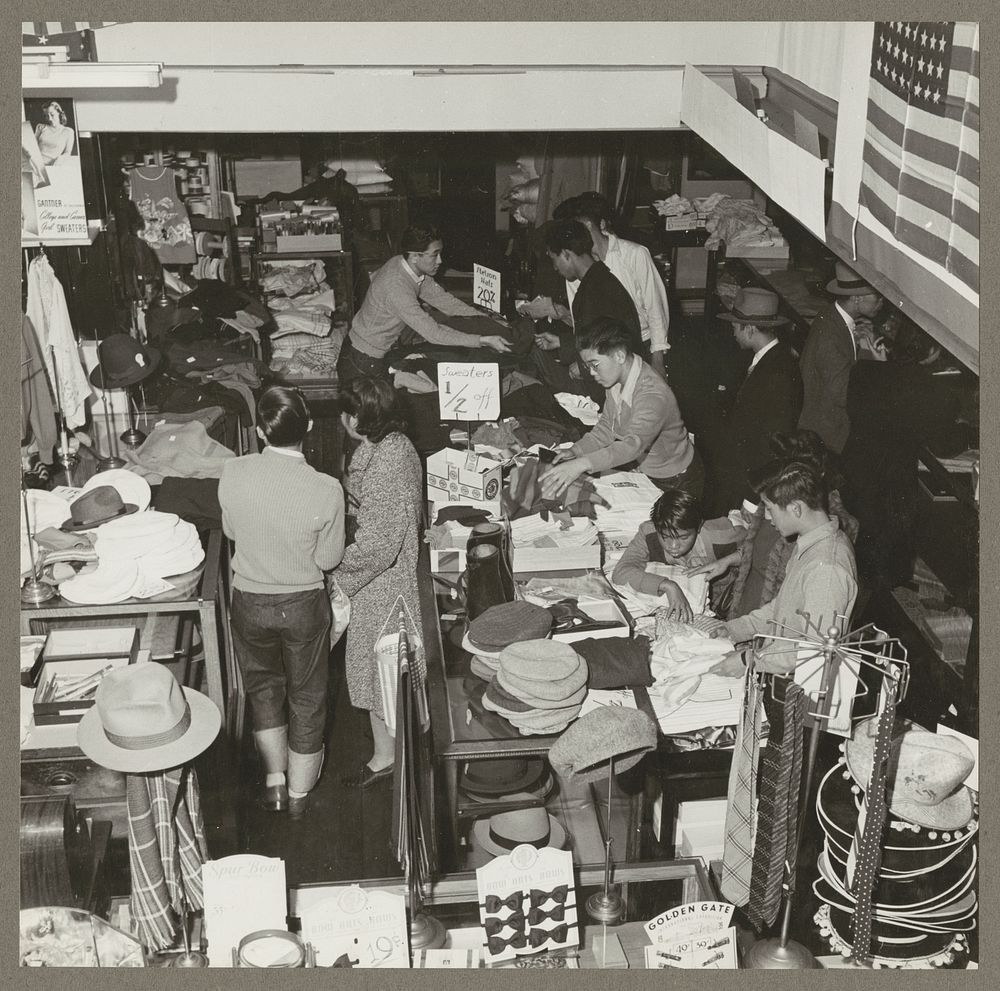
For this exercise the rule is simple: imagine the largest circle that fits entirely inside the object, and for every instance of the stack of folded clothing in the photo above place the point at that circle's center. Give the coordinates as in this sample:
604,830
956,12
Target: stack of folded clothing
499,627
539,686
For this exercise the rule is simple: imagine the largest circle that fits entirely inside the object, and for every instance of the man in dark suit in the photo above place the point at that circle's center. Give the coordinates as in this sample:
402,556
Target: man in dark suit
769,398
830,352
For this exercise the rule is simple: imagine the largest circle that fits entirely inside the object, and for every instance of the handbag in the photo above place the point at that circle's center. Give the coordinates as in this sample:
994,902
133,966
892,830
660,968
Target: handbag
340,607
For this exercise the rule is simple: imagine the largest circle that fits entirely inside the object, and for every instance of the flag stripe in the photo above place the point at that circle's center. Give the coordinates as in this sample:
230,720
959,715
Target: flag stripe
966,269
890,125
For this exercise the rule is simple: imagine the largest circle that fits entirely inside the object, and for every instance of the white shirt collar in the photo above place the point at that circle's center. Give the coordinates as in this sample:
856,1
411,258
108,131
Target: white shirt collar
760,354
286,451
409,271
849,320
624,393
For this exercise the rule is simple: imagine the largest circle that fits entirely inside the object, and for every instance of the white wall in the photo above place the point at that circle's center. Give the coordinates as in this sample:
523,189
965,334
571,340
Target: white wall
813,53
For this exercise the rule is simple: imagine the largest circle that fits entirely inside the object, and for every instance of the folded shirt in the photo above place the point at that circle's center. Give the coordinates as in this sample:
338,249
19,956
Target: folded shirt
616,662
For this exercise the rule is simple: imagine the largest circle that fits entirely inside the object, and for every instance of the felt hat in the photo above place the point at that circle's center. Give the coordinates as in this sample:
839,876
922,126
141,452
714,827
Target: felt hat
499,834
123,362
147,527
98,505
143,720
501,777
756,306
507,623
847,282
582,752
546,670
925,774
133,488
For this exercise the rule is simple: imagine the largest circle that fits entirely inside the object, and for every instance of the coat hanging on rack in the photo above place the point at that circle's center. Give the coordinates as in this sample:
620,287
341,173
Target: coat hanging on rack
49,315
38,416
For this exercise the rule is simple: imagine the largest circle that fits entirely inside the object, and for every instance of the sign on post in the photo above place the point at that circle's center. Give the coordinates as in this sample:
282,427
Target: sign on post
469,390
486,287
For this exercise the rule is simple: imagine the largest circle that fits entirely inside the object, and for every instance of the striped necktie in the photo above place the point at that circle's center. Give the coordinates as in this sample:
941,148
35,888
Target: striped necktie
737,857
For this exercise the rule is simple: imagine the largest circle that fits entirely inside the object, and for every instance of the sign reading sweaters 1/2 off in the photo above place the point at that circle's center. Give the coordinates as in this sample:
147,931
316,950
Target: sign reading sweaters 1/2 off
469,390
486,287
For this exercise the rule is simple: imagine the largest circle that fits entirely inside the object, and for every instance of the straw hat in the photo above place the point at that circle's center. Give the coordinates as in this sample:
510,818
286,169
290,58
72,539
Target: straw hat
847,282
756,306
499,834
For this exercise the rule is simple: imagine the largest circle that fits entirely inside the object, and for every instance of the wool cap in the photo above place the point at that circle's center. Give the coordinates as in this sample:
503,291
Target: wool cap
544,722
507,623
542,670
481,669
582,752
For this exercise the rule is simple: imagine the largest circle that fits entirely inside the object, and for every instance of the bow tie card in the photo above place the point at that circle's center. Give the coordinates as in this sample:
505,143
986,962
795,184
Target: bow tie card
689,920
527,903
712,951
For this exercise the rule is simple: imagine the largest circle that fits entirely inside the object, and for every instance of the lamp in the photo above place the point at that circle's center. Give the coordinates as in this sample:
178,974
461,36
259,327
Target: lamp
46,74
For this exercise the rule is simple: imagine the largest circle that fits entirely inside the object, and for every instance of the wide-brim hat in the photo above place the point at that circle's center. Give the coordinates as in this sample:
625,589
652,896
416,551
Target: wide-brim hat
142,720
109,582
925,774
847,282
123,362
501,777
499,834
133,488
756,306
584,750
96,506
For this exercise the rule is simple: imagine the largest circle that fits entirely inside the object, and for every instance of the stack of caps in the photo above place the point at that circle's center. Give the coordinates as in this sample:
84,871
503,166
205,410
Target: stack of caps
924,899
513,779
500,626
539,686
160,544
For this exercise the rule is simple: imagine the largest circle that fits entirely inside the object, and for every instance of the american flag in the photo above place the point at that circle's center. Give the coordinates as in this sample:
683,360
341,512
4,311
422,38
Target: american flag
920,177
76,36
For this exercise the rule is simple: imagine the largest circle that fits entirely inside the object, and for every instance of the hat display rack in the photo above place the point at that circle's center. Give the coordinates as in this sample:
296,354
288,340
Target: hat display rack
412,824
606,906
113,459
67,458
34,591
866,647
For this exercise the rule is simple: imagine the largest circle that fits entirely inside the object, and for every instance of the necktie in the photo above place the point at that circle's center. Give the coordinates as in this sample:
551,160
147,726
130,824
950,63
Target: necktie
737,857
777,807
865,857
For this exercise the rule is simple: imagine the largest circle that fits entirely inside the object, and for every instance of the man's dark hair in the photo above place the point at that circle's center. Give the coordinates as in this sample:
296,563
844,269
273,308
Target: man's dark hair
604,335
418,239
283,416
375,404
593,207
783,481
568,235
808,446
676,510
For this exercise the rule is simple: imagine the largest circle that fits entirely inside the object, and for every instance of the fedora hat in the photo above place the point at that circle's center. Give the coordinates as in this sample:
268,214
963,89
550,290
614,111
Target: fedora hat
756,306
847,282
499,834
133,488
143,720
99,505
501,777
584,750
123,361
925,774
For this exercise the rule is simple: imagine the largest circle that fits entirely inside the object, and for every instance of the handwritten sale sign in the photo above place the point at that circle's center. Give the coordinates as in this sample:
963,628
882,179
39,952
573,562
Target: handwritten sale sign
469,390
486,287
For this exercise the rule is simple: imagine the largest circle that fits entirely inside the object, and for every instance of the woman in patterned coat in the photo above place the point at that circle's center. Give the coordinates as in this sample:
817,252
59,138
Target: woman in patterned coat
385,492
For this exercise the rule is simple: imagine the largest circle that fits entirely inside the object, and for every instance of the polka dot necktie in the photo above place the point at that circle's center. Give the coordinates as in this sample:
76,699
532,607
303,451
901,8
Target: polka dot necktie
865,858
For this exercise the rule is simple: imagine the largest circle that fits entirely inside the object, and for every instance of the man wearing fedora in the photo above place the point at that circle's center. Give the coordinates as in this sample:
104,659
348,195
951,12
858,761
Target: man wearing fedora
768,400
830,352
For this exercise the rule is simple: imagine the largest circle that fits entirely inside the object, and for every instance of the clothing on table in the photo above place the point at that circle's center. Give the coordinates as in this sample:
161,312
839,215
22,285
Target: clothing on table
616,662
167,227
827,358
715,539
38,414
386,482
632,265
640,422
599,294
184,450
394,301
820,582
195,500
49,315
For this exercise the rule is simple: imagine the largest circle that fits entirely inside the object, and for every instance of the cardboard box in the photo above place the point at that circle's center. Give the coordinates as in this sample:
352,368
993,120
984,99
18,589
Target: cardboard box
50,710
603,610
68,644
451,560
465,478
309,242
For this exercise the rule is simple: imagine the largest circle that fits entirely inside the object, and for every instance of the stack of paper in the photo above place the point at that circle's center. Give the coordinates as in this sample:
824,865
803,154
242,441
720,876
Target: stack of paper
533,531
715,703
630,495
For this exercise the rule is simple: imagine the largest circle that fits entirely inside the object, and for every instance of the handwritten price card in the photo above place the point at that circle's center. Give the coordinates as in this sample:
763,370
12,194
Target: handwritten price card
367,924
469,390
486,287
243,894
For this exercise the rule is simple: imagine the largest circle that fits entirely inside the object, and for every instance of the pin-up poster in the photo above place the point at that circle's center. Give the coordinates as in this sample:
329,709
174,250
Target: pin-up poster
52,204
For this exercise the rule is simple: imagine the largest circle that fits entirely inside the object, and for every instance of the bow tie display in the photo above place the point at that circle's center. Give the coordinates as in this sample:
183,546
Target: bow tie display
536,915
539,898
518,941
494,903
494,927
538,937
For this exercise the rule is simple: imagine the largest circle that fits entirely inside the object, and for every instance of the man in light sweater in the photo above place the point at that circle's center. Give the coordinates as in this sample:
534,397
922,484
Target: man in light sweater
287,521
640,423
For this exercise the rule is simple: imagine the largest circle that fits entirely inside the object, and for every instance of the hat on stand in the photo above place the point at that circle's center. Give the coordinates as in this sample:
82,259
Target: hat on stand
499,834
101,504
123,362
755,306
133,488
142,720
582,752
847,282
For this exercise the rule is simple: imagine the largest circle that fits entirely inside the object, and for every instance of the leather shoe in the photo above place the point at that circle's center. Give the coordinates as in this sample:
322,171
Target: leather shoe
365,777
297,806
276,798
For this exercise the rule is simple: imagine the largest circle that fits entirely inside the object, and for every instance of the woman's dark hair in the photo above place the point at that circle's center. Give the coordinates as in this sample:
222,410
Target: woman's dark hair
604,335
283,416
55,103
373,401
418,239
807,445
783,481
674,511
568,235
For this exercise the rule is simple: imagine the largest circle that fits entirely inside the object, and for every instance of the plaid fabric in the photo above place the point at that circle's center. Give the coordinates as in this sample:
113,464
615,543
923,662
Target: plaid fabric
161,842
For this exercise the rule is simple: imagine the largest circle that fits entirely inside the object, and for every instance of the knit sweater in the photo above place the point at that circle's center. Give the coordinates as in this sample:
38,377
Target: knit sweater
286,518
393,302
643,425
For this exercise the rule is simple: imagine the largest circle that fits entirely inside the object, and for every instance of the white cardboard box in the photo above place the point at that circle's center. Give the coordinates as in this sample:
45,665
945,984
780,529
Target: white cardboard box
463,477
601,610
451,560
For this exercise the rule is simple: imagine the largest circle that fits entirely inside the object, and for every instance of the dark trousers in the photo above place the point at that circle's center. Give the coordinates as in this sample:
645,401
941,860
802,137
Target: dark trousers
692,479
353,364
283,650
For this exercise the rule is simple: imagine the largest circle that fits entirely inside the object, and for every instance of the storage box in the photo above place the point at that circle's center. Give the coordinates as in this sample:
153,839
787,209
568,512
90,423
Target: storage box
601,610
309,242
83,643
451,560
686,221
464,477
48,709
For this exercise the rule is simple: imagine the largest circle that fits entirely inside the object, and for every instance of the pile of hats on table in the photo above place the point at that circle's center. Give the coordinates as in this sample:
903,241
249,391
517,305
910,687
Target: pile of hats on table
537,684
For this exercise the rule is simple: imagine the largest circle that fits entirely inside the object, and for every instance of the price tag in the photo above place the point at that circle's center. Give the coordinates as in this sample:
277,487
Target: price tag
713,951
689,919
486,287
469,390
